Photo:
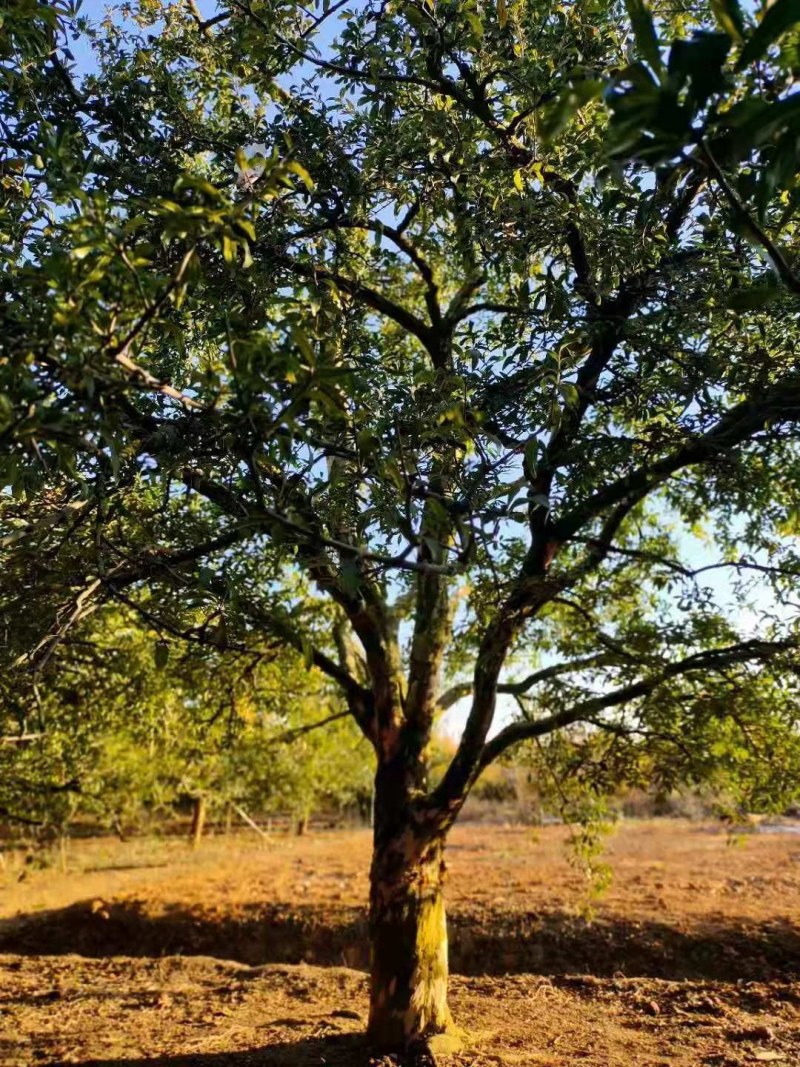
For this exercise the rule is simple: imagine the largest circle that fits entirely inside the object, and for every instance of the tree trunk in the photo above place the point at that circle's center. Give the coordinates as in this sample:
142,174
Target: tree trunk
198,820
408,996
62,852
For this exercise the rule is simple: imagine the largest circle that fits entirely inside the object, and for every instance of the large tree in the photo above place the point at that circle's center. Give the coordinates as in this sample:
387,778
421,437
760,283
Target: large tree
354,302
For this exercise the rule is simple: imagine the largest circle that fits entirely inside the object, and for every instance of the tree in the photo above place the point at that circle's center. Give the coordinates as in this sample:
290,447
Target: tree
376,318
124,723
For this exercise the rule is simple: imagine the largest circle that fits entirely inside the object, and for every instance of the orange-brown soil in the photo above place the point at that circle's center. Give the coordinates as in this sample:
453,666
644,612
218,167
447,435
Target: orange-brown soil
250,952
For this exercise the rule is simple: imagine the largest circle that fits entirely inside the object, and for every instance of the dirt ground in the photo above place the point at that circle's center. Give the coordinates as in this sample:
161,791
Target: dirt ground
251,952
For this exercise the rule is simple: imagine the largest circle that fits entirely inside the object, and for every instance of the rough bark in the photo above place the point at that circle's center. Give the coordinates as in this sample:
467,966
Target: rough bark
408,995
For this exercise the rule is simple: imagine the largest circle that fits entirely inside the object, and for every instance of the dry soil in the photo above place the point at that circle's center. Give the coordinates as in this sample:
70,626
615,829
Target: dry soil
251,952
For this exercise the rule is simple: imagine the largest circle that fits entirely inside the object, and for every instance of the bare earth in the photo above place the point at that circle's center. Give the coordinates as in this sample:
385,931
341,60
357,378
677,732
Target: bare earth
251,954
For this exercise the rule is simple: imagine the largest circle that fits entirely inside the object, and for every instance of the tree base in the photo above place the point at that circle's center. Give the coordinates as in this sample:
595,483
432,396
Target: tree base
424,1051
451,1042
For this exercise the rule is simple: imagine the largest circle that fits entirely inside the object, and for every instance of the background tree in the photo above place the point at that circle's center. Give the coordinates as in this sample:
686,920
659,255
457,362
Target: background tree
123,725
368,316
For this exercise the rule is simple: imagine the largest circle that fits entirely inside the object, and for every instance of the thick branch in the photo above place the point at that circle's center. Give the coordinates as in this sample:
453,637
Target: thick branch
735,427
432,619
428,336
709,660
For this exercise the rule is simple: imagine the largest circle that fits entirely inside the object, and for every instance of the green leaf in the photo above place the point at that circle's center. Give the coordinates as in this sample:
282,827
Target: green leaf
755,123
201,185
561,111
302,174
247,228
531,456
367,439
730,18
701,61
777,19
753,297
645,33
228,249
300,338
570,394
475,24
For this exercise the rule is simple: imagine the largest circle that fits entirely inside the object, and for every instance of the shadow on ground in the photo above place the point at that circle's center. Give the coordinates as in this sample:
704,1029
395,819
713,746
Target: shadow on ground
339,1050
486,943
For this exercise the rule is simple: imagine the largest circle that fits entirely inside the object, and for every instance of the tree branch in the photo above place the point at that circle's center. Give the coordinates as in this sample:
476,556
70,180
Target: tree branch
462,689
709,660
735,427
407,320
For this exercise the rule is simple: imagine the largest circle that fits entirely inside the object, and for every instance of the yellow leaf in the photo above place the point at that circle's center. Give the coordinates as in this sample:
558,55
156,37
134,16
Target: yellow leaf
247,227
301,173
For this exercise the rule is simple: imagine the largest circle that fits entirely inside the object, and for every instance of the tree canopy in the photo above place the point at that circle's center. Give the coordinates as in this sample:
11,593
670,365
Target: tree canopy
374,309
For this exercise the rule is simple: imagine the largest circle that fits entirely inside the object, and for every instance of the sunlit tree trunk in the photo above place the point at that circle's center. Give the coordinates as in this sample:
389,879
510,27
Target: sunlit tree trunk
408,994
198,820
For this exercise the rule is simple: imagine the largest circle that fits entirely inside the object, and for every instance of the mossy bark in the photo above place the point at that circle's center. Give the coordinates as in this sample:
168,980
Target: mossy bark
408,996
